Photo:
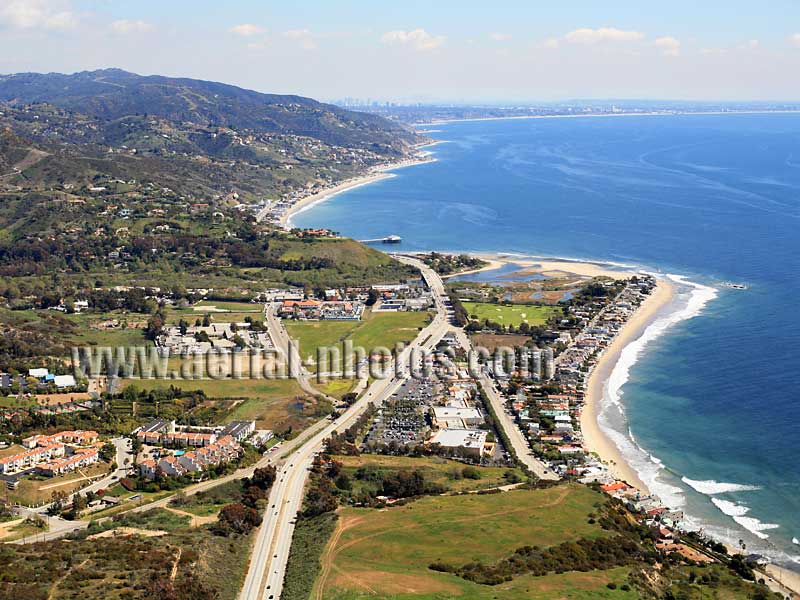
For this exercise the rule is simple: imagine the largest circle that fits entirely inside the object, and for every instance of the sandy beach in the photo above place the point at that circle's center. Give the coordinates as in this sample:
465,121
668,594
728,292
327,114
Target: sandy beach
547,266
594,437
375,174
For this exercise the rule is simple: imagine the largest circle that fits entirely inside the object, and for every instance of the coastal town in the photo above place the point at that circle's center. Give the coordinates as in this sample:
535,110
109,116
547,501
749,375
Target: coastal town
213,388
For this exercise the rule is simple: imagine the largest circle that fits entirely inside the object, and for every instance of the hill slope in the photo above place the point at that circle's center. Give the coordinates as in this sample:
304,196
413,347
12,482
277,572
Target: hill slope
114,93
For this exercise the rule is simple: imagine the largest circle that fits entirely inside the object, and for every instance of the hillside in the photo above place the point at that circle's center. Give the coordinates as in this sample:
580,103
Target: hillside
112,179
113,93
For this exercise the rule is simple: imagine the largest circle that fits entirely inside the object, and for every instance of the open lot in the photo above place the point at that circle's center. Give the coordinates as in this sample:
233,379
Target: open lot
386,553
273,403
35,490
511,314
209,305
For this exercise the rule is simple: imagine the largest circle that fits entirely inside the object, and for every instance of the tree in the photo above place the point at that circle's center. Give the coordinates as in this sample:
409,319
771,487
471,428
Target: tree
237,518
372,297
108,452
57,500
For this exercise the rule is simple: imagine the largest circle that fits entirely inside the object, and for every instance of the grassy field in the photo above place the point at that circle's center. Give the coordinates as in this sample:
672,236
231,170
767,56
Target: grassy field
273,403
210,502
435,469
511,314
18,529
379,554
128,333
336,387
381,329
37,490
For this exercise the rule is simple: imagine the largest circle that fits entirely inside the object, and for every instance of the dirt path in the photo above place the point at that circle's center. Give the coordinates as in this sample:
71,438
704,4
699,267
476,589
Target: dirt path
57,582
331,550
196,520
33,157
63,483
174,573
330,553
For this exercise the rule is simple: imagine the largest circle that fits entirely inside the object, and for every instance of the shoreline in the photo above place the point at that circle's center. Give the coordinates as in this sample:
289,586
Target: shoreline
594,438
600,115
373,175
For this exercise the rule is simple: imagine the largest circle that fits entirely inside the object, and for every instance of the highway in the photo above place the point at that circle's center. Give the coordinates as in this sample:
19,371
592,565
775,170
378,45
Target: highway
274,539
267,568
506,421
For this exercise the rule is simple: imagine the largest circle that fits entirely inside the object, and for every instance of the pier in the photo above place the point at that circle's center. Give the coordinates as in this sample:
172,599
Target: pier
389,239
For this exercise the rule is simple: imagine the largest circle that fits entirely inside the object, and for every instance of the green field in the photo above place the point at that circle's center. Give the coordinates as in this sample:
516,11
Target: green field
385,554
374,330
511,314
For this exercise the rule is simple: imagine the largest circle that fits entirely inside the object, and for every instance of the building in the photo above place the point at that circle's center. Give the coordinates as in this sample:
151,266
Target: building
79,437
188,438
81,458
30,458
446,416
471,442
224,449
239,430
151,433
48,453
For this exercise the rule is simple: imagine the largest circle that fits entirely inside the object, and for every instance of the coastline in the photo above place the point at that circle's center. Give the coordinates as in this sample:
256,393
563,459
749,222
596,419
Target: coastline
600,115
373,175
594,437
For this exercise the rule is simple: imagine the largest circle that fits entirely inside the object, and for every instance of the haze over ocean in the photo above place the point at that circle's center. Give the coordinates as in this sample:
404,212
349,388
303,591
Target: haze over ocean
712,403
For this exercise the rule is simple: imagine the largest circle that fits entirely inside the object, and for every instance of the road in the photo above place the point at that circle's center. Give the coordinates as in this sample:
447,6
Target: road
506,422
273,542
274,539
281,341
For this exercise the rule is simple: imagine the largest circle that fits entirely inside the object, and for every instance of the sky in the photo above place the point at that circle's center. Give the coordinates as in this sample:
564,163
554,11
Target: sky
434,51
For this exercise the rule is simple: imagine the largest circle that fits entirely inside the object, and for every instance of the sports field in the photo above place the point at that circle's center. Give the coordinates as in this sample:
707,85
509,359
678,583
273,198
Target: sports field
511,314
386,553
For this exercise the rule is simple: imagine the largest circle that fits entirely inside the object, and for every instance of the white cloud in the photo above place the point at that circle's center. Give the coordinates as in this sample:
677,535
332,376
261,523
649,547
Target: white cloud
795,40
497,36
419,39
125,26
303,36
668,45
247,30
550,43
37,14
603,34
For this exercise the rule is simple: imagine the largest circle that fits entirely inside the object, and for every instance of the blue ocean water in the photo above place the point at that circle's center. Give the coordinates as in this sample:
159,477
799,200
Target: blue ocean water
712,404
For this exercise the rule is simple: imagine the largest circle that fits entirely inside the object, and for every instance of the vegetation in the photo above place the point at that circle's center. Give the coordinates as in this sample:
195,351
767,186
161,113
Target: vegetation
448,264
374,330
512,314
310,537
367,474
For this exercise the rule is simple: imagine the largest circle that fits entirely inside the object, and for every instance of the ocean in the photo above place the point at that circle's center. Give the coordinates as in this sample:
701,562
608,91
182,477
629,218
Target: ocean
706,404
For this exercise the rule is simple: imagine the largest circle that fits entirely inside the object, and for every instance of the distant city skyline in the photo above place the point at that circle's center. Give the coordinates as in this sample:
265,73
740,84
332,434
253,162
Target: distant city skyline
507,52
